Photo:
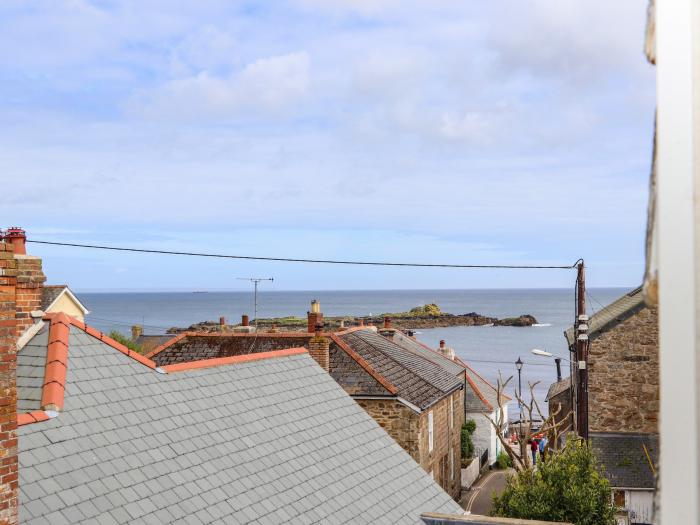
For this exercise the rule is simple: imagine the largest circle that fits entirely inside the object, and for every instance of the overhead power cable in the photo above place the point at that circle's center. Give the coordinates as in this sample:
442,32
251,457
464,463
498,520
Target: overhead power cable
316,261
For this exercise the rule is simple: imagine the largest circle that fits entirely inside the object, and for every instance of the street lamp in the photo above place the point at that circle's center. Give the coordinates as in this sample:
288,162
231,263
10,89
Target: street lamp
519,366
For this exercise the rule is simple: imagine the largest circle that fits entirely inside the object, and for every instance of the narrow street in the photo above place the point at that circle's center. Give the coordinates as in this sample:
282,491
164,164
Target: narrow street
478,499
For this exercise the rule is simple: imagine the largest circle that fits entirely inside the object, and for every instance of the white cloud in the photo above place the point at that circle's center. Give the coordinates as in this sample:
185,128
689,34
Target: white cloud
268,85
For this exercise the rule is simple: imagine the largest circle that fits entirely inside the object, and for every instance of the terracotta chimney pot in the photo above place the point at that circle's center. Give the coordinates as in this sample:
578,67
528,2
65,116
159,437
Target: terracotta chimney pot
17,238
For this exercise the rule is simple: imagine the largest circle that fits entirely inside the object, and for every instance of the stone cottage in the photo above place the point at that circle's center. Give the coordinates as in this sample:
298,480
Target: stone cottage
408,392
623,397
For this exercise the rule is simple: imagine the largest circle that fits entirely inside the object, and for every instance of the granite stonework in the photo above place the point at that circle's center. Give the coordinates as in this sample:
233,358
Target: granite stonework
624,375
410,430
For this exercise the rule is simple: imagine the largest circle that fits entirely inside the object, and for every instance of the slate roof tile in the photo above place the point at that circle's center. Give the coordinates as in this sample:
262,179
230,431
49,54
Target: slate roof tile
273,430
417,379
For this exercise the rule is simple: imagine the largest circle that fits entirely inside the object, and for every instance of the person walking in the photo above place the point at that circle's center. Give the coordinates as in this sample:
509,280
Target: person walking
533,450
542,447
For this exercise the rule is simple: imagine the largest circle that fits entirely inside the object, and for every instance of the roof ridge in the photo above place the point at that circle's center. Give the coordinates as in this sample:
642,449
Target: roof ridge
478,392
220,361
487,381
179,337
411,371
365,365
435,352
56,367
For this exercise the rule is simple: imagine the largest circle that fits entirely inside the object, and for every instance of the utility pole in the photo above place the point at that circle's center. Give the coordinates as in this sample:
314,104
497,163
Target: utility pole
581,353
256,281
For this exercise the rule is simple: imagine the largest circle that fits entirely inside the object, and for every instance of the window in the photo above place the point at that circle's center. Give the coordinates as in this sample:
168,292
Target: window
452,412
430,431
619,498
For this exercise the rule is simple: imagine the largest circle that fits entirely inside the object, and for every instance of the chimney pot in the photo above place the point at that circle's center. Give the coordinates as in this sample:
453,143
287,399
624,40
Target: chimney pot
387,322
442,343
245,320
222,321
314,316
136,332
17,238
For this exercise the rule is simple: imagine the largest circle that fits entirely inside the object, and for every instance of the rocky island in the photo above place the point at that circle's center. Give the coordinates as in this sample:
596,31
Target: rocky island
426,316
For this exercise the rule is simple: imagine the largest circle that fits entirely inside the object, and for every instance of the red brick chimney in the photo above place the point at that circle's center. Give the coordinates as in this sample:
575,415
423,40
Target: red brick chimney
30,279
222,321
245,320
314,316
319,347
8,398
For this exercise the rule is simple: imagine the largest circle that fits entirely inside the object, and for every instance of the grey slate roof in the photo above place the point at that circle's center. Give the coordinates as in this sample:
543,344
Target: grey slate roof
431,355
614,313
622,455
418,380
31,365
473,401
49,293
557,388
274,440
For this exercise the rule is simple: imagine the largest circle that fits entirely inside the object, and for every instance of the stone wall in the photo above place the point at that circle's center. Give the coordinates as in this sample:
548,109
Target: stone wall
446,442
623,381
410,430
400,422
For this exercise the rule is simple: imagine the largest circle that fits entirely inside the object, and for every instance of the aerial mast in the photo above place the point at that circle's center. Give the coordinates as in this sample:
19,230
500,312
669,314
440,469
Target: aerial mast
255,281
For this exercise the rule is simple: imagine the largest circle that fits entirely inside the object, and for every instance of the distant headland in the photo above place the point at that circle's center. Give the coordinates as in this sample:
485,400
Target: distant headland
426,316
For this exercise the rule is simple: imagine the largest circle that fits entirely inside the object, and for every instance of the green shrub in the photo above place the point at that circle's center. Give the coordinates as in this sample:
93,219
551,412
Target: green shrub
121,338
468,428
566,487
503,461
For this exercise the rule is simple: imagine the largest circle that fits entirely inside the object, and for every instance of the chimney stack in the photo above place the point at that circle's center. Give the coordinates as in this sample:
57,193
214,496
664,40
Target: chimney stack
30,279
387,322
314,316
136,332
222,321
8,371
319,347
245,327
445,350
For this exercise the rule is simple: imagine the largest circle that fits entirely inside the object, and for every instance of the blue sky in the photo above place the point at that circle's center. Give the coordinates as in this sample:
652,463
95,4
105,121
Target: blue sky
441,131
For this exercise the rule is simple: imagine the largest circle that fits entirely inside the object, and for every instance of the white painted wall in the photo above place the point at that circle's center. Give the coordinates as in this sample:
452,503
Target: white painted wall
640,504
678,250
485,436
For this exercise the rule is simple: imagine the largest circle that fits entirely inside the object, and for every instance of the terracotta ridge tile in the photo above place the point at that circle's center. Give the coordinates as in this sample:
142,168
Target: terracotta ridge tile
364,364
352,329
31,417
487,382
56,368
477,391
165,345
181,336
219,361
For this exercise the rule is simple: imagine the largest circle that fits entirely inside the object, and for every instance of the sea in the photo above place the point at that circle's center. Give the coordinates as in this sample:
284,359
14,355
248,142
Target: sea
490,350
